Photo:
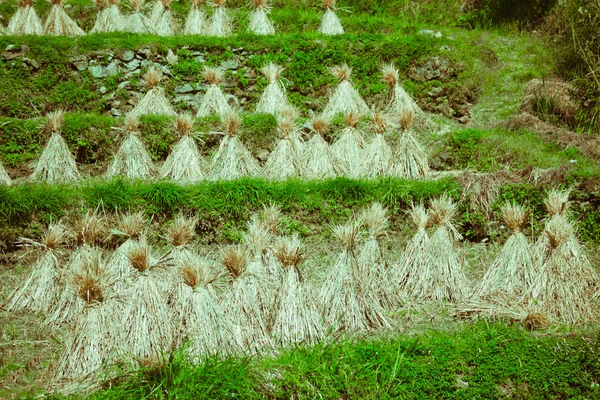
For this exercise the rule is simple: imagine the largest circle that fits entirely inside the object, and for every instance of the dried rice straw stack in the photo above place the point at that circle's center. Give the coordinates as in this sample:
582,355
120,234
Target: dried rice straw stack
132,160
213,101
233,160
448,281
146,318
25,21
345,305
318,157
163,19
196,22
199,318
137,22
184,164
561,289
411,157
258,241
221,24
348,148
284,161
297,321
40,290
58,22
330,23
109,18
273,100
56,164
180,234
401,100
132,227
4,178
96,336
154,101
513,270
258,21
243,304
344,99
377,156
372,267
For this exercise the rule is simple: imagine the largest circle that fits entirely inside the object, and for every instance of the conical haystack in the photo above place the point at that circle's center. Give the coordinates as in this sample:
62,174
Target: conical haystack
154,101
146,319
448,281
137,22
233,160
196,22
58,22
258,20
25,21
4,178
330,23
377,156
162,18
132,227
213,101
56,164
243,304
297,321
184,164
512,272
221,24
96,336
411,157
400,101
40,290
109,17
284,161
348,148
199,318
180,234
258,240
319,161
132,160
273,99
344,99
345,305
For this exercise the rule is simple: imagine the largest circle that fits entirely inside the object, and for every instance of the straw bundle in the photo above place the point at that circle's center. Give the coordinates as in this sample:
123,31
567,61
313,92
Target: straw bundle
56,164
154,101
298,320
221,24
40,290
273,99
377,156
109,18
180,233
213,101
258,241
562,288
373,273
132,160
131,226
4,178
284,161
259,22
196,22
232,160
318,157
184,164
348,148
344,303
95,336
25,21
513,271
137,22
401,100
448,281
330,23
244,304
163,19
411,157
58,22
345,99
146,318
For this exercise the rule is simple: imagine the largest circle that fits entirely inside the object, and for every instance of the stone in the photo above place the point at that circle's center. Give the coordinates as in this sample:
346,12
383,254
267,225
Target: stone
172,58
111,69
31,63
116,112
80,63
127,56
232,100
11,52
230,64
96,70
199,59
144,52
133,65
433,68
429,32
103,90
187,88
123,85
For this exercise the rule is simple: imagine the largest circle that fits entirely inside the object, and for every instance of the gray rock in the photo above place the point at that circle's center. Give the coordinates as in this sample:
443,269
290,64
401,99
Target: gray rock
80,63
232,100
434,68
147,63
144,52
31,63
187,88
230,64
133,65
428,32
111,69
137,95
103,90
127,56
116,112
199,59
123,85
96,70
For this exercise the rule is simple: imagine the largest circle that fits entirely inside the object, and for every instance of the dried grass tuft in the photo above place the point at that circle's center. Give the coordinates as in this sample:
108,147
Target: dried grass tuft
390,75
130,225
557,201
182,230
213,101
290,252
378,156
152,77
234,259
515,217
140,257
536,322
55,121
90,229
184,164
345,99
411,156
319,159
329,4
342,72
273,100
154,101
348,148
132,159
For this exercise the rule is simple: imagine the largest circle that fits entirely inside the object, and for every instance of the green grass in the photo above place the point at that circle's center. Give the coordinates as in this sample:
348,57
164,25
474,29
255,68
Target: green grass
495,360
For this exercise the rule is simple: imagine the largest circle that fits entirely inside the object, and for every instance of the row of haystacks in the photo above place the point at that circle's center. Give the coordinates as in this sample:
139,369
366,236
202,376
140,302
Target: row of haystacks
135,304
314,158
157,19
